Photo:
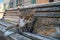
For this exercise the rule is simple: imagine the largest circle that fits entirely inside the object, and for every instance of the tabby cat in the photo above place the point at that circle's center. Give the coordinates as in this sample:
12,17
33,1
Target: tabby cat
25,21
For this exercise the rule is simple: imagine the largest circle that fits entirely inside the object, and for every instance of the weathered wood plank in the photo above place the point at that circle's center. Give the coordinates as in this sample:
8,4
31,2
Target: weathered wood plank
49,9
17,36
7,24
8,18
13,11
11,16
15,14
2,28
11,21
48,14
37,37
46,26
40,6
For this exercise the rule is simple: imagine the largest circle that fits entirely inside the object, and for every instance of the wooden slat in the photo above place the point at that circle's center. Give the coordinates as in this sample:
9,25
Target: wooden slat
49,9
11,20
36,37
6,23
7,14
11,14
40,5
2,28
12,11
48,14
11,17
17,36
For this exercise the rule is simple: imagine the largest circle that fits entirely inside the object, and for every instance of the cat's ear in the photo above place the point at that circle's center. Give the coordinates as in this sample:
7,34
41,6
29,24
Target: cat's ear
20,14
33,11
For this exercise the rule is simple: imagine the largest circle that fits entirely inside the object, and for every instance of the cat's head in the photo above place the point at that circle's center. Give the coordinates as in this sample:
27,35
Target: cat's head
30,16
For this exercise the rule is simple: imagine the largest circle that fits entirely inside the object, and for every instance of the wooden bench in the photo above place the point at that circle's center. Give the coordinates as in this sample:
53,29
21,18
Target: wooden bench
10,18
43,13
17,36
48,17
37,37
